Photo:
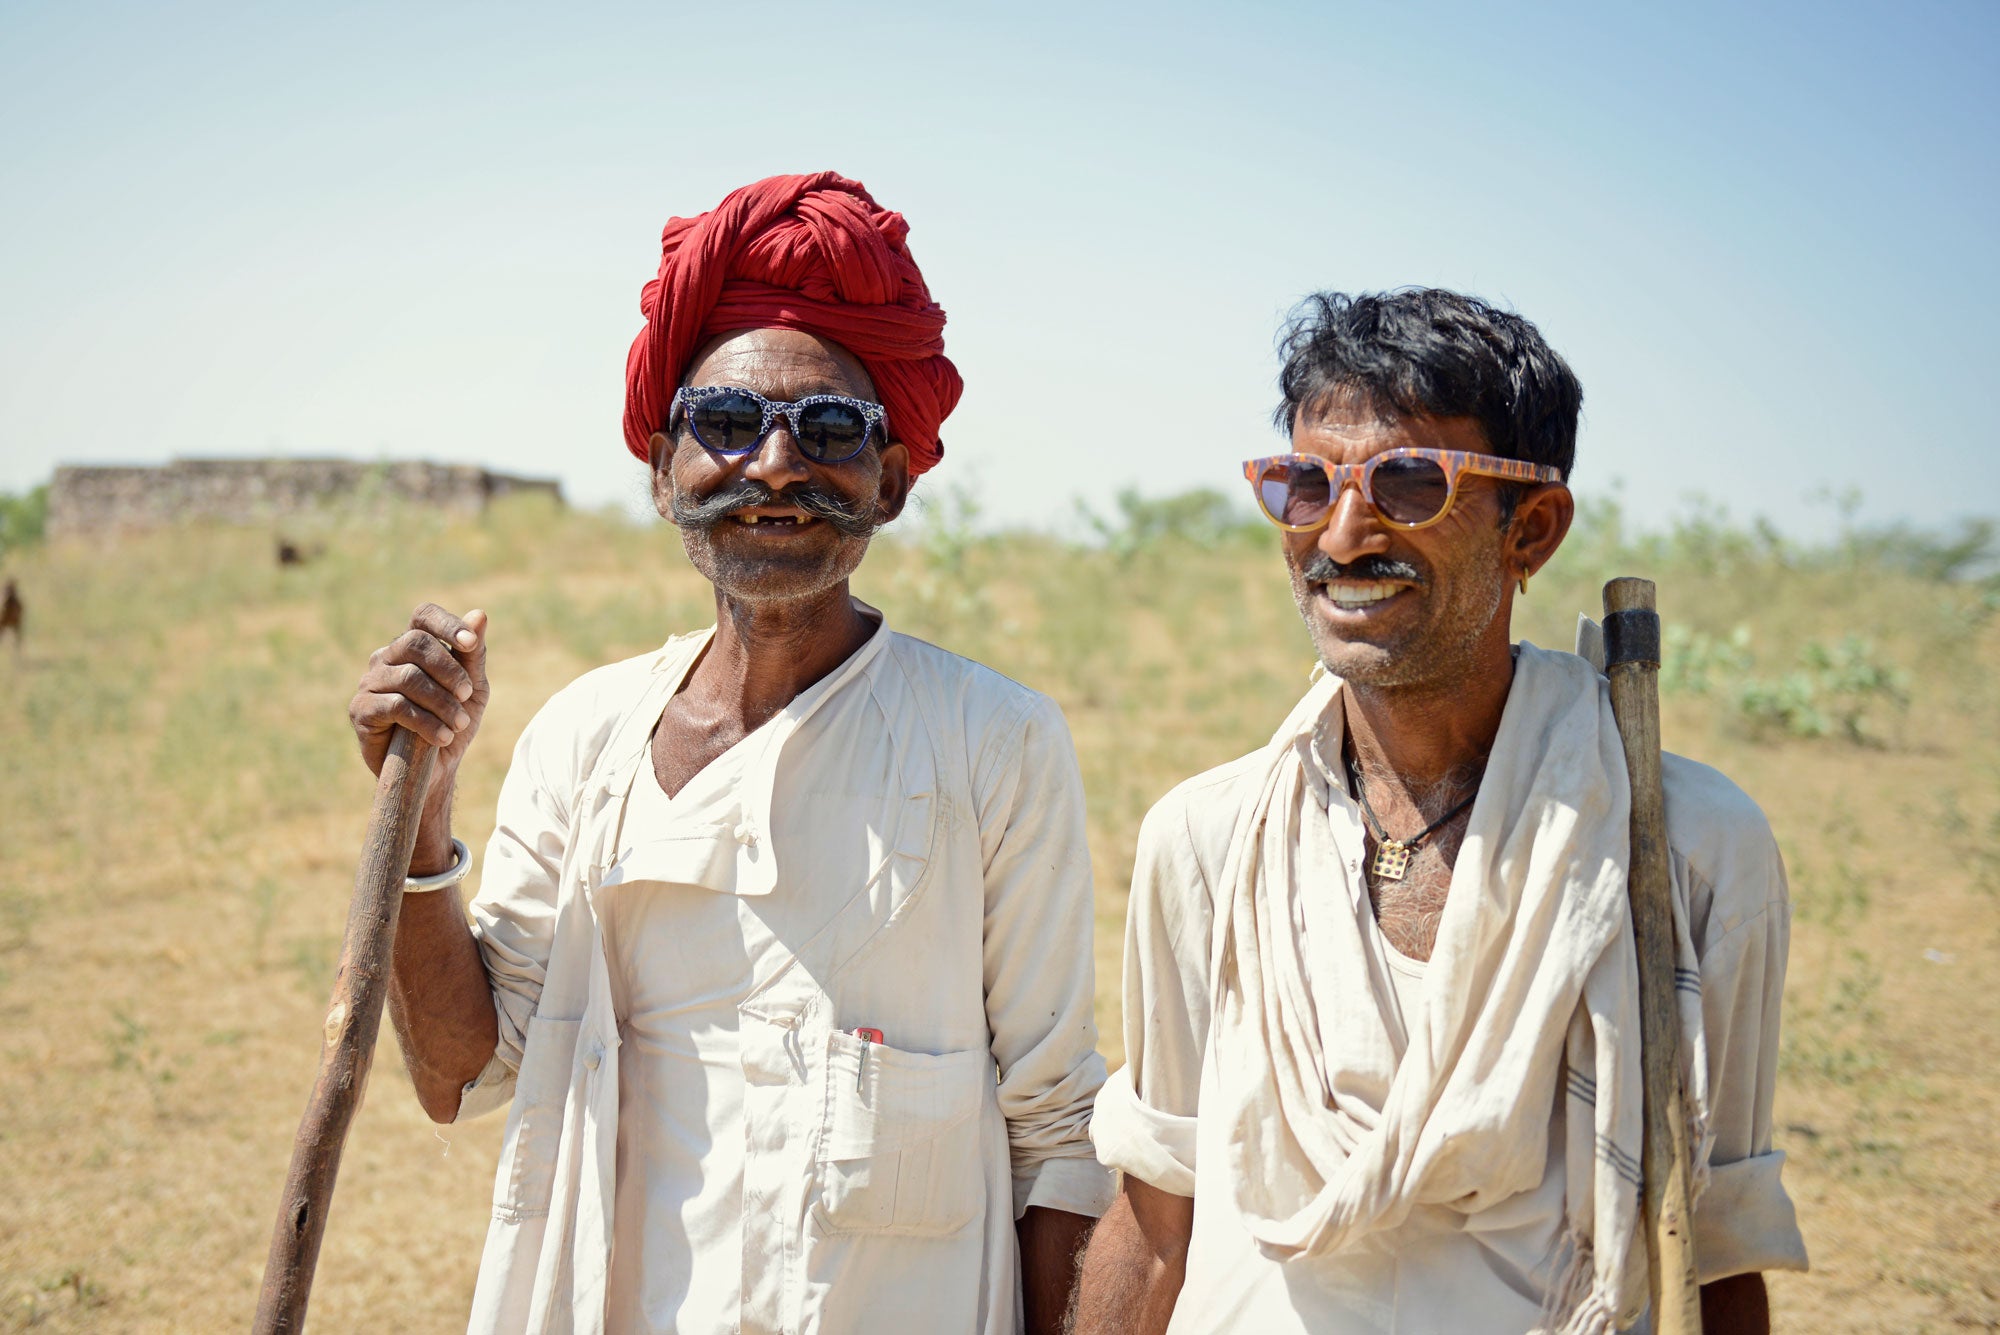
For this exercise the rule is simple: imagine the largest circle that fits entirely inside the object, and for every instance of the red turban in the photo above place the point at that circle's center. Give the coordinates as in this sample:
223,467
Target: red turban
814,253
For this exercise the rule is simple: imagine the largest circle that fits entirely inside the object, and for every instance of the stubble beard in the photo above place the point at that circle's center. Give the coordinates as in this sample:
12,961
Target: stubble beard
1437,653
772,577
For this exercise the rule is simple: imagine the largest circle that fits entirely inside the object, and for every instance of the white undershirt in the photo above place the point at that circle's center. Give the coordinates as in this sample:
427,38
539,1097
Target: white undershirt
681,957
1441,1272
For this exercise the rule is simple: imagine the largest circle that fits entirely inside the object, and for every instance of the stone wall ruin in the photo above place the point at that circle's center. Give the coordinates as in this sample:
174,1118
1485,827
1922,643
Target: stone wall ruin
95,499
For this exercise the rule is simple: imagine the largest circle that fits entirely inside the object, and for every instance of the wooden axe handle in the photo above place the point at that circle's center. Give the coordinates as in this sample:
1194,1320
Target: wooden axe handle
1632,662
352,1021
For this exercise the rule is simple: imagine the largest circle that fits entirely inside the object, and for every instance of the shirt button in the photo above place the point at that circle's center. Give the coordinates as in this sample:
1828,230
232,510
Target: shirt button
593,1057
745,834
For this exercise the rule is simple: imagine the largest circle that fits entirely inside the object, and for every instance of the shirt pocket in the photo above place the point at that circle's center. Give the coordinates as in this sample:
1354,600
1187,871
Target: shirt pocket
899,1147
534,1131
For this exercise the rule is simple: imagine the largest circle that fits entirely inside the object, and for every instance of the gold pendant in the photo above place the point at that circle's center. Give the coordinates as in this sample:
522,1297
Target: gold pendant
1391,860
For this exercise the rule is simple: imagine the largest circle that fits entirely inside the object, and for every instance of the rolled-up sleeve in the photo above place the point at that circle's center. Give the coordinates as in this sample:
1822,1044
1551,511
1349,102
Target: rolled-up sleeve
1145,1117
1744,1220
514,913
1038,971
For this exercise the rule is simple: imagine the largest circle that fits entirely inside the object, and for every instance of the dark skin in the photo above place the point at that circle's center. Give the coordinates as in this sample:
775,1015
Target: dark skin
784,620
1427,655
783,615
1137,1261
431,679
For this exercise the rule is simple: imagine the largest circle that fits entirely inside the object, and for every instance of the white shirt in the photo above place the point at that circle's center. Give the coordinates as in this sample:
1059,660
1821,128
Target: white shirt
1442,1270
902,848
683,958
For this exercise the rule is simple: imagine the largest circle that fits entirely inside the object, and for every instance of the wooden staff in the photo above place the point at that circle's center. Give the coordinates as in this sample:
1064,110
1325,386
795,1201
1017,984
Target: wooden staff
1632,662
351,1025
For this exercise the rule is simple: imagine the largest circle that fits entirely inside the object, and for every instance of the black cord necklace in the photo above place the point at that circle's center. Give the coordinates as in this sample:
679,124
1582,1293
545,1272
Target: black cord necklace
1392,856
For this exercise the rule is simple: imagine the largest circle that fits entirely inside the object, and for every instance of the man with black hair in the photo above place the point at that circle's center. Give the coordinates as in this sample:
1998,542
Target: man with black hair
1381,996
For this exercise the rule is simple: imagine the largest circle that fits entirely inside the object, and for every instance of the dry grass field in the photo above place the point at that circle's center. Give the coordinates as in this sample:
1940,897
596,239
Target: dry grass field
180,808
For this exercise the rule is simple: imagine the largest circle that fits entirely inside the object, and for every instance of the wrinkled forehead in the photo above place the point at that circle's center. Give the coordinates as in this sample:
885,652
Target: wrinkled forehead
1349,425
779,364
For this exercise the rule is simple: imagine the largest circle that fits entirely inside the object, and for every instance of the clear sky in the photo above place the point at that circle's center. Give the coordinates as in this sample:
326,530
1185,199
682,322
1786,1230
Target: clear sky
1764,236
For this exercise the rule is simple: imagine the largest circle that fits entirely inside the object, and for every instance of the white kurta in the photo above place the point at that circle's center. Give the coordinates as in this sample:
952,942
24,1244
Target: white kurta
1443,1269
902,848
682,958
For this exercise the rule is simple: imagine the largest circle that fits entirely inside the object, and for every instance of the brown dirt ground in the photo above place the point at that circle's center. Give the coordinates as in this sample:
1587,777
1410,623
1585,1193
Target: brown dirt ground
179,811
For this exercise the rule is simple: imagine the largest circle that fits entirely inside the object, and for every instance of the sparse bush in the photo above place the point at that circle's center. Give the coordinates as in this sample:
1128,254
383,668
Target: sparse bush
942,596
1833,693
1203,517
1974,847
23,519
1836,1040
133,1049
1693,662
1971,551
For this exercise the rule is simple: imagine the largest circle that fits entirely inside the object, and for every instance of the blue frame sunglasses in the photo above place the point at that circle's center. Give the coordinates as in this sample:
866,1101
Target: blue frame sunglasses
727,420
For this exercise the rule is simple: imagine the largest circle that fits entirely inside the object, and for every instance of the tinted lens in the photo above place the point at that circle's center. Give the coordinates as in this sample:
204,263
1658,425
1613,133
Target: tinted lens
1409,491
727,423
831,430
1294,493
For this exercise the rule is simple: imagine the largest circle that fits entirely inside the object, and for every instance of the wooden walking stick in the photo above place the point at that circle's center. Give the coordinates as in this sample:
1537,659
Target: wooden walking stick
1632,662
351,1025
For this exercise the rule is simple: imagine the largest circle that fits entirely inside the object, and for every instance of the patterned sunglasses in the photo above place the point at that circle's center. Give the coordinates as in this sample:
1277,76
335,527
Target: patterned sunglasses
830,428
1409,488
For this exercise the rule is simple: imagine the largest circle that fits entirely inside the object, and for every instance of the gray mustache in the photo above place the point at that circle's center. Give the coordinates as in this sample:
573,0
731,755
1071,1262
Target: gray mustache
1323,569
854,521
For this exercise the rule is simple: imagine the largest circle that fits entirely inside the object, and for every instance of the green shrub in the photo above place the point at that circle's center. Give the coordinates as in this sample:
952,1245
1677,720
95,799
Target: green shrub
1693,662
1832,693
1203,517
23,518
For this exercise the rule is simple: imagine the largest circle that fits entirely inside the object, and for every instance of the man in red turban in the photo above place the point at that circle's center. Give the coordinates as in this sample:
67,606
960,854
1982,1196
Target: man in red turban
813,253
782,953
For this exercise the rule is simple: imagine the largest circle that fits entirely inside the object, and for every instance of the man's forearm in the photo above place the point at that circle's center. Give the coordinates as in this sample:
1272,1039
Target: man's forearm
440,1000
1739,1305
1137,1259
1051,1247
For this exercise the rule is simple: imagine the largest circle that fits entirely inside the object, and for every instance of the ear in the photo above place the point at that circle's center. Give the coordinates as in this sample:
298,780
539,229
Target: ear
1541,521
893,488
660,455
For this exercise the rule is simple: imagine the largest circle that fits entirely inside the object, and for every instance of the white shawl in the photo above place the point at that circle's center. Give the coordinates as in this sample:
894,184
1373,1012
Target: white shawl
1533,979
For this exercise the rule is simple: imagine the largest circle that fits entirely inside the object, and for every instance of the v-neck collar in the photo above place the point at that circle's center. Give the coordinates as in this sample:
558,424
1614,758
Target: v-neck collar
751,869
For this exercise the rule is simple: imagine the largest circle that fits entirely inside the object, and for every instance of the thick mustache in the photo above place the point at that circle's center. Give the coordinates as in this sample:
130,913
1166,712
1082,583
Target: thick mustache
1323,569
853,521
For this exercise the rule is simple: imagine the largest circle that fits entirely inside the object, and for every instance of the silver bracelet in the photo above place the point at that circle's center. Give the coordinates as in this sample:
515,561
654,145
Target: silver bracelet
461,863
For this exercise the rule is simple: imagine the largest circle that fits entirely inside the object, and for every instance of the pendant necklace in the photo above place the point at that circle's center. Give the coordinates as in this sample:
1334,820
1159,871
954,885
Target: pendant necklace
1392,856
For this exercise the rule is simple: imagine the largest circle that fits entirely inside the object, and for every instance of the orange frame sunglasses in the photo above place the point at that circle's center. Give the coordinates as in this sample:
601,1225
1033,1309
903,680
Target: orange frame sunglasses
1409,488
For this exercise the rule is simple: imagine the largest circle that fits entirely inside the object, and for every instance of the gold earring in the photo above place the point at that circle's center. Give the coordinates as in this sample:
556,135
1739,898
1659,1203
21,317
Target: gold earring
1524,583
